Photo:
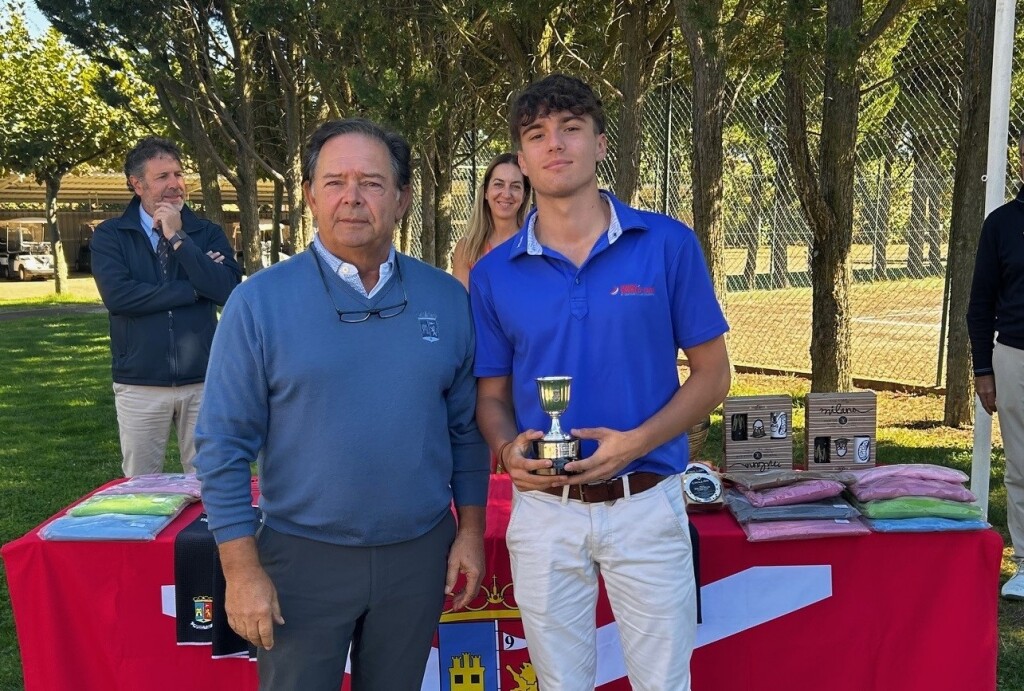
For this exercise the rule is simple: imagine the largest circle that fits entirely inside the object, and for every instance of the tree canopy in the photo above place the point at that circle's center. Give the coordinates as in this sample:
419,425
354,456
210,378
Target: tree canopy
59,111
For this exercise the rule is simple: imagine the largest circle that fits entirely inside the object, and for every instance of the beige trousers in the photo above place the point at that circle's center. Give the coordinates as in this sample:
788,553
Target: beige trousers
641,547
1008,367
144,417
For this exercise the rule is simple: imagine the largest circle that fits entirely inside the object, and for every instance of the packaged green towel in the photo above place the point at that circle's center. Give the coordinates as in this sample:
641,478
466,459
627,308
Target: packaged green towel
913,507
141,504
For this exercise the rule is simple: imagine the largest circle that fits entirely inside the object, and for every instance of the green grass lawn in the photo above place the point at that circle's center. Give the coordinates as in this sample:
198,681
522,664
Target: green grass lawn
59,441
45,301
59,437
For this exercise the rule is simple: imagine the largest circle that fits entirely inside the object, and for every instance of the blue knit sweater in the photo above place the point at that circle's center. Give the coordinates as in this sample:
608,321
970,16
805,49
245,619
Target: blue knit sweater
363,433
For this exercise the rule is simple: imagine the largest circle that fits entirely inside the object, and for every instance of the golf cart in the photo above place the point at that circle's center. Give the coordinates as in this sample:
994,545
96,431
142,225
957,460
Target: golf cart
24,253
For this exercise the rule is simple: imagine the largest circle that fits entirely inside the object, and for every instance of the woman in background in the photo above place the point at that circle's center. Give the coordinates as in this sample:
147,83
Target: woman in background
498,213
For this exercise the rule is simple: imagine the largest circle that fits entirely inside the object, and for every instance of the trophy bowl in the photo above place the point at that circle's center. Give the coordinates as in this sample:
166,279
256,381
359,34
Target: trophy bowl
556,446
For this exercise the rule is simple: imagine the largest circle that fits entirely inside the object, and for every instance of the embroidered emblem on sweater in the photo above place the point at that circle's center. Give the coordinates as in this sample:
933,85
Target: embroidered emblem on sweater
428,327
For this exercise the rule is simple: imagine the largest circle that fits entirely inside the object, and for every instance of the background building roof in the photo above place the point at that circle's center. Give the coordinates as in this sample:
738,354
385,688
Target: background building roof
106,188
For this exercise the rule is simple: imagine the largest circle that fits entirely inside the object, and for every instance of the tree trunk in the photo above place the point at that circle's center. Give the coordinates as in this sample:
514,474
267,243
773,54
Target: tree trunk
753,234
248,197
633,30
880,222
915,231
827,198
308,227
443,147
275,233
780,215
933,238
708,112
750,263
428,234
443,225
968,205
209,183
780,254
831,368
249,215
933,219
294,137
60,264
404,243
923,200
300,233
831,363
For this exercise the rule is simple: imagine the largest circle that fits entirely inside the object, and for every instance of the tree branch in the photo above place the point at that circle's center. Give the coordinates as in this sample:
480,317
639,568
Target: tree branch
735,24
167,103
805,174
885,18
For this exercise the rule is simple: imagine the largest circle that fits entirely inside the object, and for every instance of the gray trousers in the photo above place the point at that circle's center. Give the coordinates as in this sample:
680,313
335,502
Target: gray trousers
384,602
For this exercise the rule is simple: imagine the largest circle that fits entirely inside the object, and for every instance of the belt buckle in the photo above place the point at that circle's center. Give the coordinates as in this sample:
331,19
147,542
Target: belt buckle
605,493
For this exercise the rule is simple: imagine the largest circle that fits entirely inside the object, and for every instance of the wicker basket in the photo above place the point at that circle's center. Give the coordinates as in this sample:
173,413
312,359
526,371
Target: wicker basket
697,435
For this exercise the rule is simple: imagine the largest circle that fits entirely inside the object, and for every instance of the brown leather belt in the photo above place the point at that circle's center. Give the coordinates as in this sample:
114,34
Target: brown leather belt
611,490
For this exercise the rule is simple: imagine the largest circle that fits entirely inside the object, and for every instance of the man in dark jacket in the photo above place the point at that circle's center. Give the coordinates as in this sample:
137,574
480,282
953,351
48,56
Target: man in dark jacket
997,306
161,271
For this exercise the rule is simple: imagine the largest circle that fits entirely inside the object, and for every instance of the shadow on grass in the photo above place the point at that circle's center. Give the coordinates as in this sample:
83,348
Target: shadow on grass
921,425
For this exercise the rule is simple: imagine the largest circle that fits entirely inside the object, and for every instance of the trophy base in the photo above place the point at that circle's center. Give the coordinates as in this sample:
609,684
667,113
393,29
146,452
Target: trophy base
558,452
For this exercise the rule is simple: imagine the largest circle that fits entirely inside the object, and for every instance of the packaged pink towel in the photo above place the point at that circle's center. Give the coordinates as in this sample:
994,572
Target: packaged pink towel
896,486
157,483
920,471
799,493
803,530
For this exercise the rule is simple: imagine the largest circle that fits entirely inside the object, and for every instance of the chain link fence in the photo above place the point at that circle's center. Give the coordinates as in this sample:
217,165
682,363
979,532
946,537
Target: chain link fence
903,189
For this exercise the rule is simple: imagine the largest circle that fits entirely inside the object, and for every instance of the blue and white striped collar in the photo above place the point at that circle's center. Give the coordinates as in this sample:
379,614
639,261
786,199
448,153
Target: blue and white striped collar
349,273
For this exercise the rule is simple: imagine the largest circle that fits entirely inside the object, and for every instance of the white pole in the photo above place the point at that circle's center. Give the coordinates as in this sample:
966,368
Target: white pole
995,194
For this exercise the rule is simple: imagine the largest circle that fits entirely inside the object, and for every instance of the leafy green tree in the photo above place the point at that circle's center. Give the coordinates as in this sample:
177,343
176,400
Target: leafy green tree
825,185
712,29
405,66
638,41
54,117
921,128
882,131
203,59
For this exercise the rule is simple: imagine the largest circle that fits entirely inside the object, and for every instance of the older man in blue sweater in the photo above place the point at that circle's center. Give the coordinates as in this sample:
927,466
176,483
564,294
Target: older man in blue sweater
345,373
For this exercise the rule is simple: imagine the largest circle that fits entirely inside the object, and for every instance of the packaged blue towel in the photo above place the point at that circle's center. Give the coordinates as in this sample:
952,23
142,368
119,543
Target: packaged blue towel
109,526
925,524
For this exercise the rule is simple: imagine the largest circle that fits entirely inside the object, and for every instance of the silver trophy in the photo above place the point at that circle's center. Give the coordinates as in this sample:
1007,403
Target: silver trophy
556,446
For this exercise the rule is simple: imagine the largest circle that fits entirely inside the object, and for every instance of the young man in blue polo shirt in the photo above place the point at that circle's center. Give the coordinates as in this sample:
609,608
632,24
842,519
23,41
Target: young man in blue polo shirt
607,294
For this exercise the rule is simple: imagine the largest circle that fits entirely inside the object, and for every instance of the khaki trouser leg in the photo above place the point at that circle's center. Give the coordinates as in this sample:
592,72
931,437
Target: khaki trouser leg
1008,365
144,417
186,412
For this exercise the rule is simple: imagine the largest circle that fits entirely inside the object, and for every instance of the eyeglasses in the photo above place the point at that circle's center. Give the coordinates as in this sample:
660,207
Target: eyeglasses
357,316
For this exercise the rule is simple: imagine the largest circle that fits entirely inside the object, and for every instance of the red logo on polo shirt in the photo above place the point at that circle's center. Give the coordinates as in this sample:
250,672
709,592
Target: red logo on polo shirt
632,289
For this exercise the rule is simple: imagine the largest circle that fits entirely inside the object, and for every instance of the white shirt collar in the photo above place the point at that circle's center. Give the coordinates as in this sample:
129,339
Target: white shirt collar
349,273
146,220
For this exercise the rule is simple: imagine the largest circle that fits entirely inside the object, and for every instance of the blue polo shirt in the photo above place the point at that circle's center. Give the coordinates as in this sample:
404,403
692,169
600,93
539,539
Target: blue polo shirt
614,324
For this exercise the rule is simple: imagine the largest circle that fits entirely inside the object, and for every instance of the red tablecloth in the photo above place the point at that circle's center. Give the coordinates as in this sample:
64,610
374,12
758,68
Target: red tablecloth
911,611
